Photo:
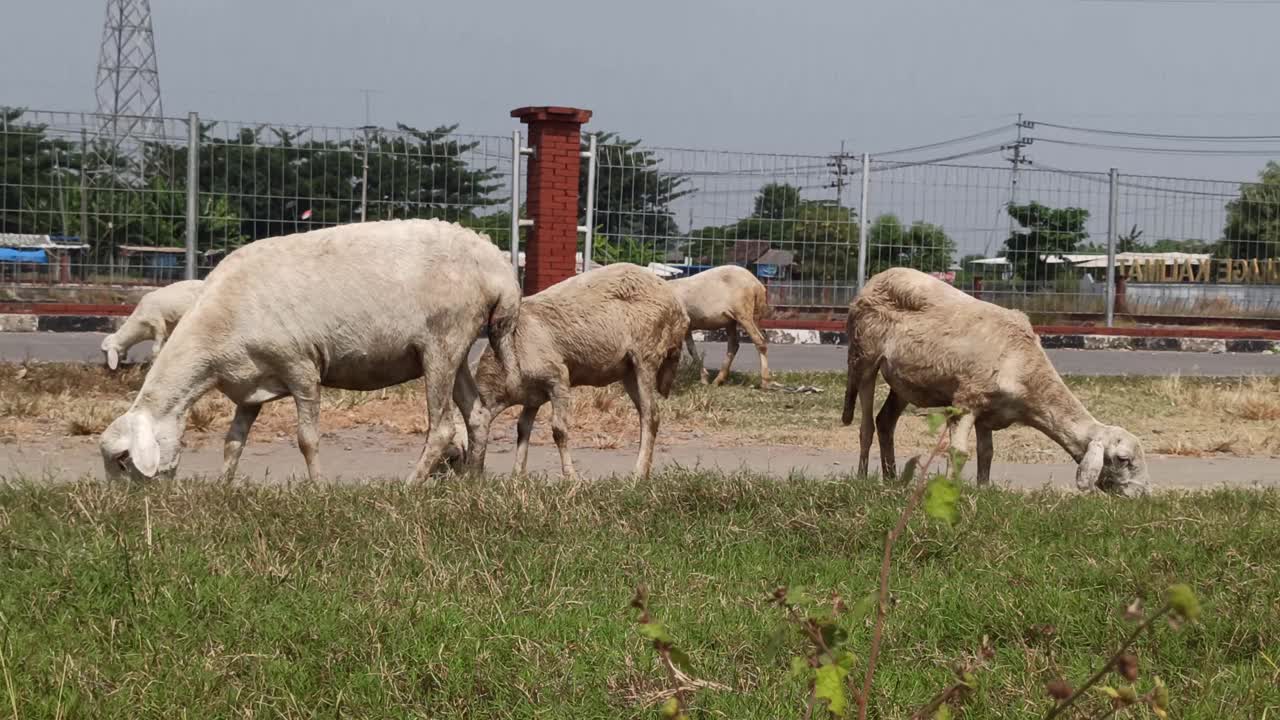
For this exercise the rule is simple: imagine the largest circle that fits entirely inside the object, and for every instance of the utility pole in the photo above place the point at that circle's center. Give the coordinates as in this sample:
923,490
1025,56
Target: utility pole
839,165
1016,160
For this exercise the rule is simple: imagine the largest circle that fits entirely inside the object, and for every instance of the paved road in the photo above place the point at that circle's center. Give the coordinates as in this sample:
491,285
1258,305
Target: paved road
83,347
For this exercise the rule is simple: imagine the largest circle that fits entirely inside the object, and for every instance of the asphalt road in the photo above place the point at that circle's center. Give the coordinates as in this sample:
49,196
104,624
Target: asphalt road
83,347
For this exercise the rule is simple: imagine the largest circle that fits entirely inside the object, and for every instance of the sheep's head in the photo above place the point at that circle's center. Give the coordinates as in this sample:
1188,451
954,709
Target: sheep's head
111,351
137,447
1114,462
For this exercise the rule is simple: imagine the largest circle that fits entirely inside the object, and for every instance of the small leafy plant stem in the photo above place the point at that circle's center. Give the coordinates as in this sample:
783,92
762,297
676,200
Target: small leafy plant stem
882,601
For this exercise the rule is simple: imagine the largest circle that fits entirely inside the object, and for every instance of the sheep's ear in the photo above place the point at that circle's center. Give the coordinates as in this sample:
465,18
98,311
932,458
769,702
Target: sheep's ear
1090,466
144,450
113,358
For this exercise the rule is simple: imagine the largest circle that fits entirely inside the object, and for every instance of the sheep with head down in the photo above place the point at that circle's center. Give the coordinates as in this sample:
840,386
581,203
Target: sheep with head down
358,307
726,298
936,346
153,318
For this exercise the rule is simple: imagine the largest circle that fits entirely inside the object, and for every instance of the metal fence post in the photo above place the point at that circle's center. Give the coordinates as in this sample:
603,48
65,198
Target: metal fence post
515,203
863,220
193,190
364,176
589,227
1112,208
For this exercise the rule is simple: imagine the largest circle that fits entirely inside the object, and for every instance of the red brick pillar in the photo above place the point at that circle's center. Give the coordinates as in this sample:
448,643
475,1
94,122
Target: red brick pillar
555,134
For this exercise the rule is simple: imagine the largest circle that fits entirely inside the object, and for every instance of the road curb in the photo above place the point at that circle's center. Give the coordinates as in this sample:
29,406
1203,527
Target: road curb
1050,338
1054,341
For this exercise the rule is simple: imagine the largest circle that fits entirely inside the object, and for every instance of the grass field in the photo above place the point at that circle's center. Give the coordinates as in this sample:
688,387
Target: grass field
1173,416
499,598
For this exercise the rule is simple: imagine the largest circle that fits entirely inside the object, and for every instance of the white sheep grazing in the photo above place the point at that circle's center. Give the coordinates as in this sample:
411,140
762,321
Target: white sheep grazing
937,346
615,323
153,318
359,307
726,297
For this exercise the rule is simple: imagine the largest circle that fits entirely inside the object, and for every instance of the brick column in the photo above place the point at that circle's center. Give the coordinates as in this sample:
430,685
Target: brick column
555,134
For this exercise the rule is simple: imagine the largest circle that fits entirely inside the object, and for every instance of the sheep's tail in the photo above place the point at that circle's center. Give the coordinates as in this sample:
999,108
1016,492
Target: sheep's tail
502,334
762,309
850,379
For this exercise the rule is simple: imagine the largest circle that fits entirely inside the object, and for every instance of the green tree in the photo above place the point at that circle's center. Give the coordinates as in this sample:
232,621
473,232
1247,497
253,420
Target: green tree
821,235
1043,231
608,250
633,193
777,201
1253,219
922,246
36,173
274,176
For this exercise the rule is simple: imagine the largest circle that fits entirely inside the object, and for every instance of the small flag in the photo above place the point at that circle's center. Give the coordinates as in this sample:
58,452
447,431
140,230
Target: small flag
306,214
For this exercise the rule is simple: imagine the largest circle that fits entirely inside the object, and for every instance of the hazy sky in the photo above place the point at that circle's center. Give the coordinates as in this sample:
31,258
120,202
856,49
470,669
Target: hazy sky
744,75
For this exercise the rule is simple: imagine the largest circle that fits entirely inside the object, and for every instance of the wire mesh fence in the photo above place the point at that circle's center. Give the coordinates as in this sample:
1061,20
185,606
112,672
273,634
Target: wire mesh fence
1036,239
789,218
76,207
79,208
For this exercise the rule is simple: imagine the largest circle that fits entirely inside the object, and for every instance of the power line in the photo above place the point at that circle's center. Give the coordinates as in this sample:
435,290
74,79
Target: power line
952,141
1164,151
1104,180
932,161
1155,135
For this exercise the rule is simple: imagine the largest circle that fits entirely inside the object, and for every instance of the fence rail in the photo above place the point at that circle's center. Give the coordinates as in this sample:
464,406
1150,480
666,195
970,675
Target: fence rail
79,208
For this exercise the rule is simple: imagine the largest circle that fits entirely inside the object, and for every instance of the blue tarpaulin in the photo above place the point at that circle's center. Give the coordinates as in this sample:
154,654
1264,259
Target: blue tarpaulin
36,256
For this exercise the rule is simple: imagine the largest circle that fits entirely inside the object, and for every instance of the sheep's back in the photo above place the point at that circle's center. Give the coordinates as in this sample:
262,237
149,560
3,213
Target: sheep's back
600,318
359,302
939,338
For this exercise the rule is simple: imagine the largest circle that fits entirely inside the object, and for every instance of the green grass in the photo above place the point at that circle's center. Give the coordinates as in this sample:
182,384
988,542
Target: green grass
508,599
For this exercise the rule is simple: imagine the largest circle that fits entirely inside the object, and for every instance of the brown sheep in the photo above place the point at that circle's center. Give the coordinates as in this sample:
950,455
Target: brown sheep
615,323
937,346
726,297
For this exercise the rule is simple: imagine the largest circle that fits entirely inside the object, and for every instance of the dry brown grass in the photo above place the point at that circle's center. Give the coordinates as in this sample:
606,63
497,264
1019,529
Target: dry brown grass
1174,416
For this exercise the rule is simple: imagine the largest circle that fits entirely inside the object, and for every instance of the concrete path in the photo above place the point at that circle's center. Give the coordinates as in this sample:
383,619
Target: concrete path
83,347
361,454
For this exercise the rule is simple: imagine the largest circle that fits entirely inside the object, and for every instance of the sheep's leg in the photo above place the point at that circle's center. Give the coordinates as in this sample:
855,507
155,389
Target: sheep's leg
237,434
762,347
693,353
474,414
866,396
985,451
639,386
886,425
960,430
524,428
440,379
157,338
308,403
560,414
730,350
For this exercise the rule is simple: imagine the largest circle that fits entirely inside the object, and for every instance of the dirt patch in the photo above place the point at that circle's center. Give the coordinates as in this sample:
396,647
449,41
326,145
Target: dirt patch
1187,417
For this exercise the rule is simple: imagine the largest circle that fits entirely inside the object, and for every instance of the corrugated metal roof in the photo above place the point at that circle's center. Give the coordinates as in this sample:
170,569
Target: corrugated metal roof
47,242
